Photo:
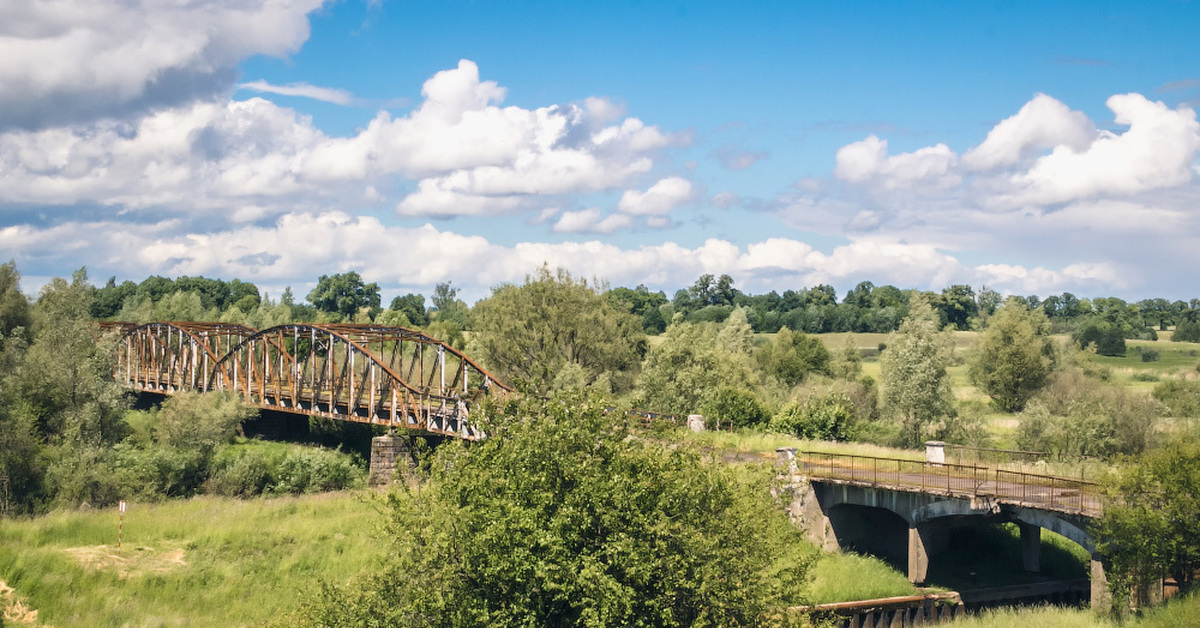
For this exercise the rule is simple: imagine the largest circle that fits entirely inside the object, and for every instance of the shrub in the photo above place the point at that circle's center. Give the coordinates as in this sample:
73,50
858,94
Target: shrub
1079,416
1181,397
1187,330
264,468
821,417
1149,355
1108,338
734,406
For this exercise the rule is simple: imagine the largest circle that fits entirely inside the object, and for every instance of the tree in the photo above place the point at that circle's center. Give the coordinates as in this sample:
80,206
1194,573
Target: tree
692,362
957,305
344,295
529,332
1014,356
1151,522
14,307
915,383
791,356
447,307
1187,329
1108,337
735,407
413,308
563,517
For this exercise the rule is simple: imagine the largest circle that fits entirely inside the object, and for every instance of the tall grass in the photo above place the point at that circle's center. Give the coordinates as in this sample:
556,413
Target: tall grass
848,577
199,562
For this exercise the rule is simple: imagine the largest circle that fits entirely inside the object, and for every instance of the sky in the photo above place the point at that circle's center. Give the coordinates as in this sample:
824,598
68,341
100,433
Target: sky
1026,147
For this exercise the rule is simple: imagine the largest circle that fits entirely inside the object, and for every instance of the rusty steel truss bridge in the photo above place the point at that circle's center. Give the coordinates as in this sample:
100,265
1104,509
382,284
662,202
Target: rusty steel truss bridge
390,376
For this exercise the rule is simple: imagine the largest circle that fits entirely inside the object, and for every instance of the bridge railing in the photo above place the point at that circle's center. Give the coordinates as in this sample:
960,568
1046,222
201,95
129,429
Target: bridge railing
926,476
1057,493
1043,491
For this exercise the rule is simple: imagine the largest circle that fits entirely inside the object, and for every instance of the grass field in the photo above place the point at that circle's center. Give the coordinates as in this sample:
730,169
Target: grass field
197,562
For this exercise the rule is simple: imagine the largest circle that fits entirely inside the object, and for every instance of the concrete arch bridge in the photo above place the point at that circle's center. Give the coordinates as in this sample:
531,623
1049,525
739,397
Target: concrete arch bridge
897,507
382,375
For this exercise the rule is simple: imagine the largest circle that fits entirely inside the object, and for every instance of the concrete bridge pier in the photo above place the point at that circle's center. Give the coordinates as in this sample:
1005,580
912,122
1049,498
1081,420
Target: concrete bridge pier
924,539
386,450
1031,546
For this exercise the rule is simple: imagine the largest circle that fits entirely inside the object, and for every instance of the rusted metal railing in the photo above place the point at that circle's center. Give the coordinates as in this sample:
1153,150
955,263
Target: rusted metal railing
1041,491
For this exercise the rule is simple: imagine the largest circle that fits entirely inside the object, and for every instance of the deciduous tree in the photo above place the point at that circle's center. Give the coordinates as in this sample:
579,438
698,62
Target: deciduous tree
562,517
1014,356
914,381
529,331
344,295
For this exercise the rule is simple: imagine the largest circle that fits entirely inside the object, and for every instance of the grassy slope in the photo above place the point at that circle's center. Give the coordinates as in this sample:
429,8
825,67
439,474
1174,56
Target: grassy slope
198,562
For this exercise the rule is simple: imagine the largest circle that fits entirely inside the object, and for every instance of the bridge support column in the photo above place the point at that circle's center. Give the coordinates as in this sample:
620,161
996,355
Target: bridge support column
918,556
386,450
1101,597
1031,547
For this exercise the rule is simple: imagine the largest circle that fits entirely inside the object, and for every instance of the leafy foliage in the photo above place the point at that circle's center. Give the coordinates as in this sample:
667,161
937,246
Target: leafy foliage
1180,396
1151,522
821,417
1108,337
736,407
1079,416
693,361
914,381
345,295
531,331
792,355
565,518
1014,356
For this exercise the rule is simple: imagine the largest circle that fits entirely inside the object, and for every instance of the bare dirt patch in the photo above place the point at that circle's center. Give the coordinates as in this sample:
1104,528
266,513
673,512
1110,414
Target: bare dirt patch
13,609
128,561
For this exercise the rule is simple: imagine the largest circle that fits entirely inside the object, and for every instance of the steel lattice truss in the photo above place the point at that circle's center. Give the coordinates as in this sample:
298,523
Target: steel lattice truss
370,374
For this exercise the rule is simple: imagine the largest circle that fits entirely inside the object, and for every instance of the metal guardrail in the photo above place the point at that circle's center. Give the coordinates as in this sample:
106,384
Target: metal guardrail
1041,491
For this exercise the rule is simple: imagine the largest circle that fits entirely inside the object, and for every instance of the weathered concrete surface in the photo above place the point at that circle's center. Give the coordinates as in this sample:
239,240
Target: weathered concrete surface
852,516
386,452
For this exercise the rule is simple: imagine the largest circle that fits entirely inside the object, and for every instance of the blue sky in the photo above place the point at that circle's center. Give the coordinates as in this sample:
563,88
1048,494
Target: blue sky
1027,147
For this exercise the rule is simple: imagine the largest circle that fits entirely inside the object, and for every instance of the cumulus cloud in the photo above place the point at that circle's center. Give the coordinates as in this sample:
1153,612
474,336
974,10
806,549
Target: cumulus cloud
1157,151
1043,123
468,156
69,61
660,199
300,246
867,161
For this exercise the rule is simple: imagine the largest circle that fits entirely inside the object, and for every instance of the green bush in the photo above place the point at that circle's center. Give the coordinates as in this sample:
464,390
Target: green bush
1187,330
1149,355
821,417
1108,338
256,468
1180,396
735,406
1079,416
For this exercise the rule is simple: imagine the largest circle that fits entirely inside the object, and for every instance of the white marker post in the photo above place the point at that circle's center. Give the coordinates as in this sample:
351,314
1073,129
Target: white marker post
120,522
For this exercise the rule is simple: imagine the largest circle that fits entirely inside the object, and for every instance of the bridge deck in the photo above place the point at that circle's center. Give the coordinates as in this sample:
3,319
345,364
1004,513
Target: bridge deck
1047,492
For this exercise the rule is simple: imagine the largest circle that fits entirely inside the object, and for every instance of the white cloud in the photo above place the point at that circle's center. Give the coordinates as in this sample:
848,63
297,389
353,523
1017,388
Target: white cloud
469,156
1157,151
299,247
591,221
64,61
868,161
1041,124
303,90
660,199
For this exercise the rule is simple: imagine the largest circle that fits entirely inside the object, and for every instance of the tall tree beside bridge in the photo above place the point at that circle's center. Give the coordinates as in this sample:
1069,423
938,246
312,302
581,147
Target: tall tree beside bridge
530,332
916,386
345,295
1014,356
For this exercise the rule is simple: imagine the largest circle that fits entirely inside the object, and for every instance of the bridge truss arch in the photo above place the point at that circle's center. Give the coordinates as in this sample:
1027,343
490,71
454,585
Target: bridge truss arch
382,375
